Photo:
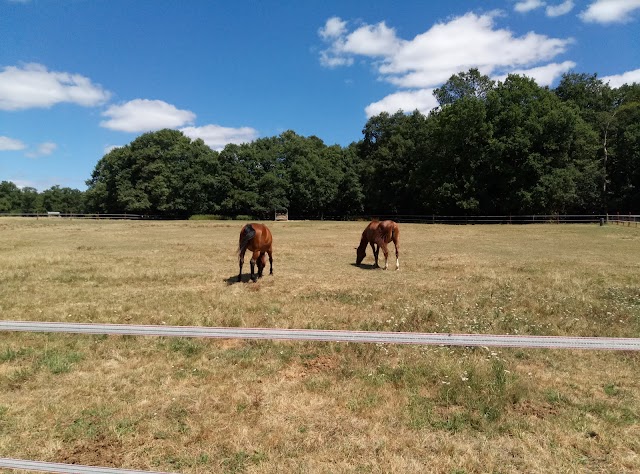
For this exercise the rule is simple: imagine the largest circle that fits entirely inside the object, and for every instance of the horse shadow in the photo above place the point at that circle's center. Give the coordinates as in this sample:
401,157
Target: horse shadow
234,279
365,266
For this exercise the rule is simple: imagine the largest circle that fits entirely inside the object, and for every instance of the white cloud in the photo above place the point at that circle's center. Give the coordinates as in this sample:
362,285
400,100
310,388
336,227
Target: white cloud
331,61
416,66
543,75
333,28
44,149
429,59
142,115
367,40
466,42
528,5
408,101
628,77
48,182
560,9
21,183
109,148
371,40
525,6
217,137
33,86
11,144
610,11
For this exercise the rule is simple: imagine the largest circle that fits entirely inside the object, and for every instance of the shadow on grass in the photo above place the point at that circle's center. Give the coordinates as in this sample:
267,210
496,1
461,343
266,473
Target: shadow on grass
246,278
365,266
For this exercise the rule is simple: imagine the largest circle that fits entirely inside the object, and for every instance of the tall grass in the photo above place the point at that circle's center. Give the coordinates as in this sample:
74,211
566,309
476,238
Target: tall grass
200,406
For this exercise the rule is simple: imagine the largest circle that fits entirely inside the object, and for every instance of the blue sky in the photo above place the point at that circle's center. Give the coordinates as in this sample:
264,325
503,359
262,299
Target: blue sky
79,77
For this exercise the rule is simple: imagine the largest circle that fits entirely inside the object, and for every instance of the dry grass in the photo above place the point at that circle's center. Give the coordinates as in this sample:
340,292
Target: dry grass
199,406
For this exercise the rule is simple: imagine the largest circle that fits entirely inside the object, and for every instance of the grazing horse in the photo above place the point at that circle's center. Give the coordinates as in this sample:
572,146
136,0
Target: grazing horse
379,234
256,238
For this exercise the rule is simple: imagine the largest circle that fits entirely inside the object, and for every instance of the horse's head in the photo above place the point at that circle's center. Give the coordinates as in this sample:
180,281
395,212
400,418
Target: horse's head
361,252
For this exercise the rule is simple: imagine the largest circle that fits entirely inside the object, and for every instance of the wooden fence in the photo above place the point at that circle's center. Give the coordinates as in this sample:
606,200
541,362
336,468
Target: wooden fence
630,220
64,215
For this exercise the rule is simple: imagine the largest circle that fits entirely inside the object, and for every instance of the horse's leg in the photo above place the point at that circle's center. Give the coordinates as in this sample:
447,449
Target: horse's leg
241,261
262,259
396,243
375,253
254,258
385,250
270,261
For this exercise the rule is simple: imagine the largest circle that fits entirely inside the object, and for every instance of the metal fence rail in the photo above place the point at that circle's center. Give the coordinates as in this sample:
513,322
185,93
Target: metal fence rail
378,337
41,466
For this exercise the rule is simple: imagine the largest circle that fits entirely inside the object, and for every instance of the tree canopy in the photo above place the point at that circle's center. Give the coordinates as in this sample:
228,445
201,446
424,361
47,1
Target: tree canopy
505,147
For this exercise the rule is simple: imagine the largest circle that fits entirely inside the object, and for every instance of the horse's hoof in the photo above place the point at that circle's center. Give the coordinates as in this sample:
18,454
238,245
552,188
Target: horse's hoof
254,279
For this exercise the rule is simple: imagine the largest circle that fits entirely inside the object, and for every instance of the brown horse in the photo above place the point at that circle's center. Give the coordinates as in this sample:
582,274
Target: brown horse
258,239
379,234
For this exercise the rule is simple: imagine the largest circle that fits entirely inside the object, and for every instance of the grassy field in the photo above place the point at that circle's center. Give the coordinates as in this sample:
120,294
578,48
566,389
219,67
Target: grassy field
199,406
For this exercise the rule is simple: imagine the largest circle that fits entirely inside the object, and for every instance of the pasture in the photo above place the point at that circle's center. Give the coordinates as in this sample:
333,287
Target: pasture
200,406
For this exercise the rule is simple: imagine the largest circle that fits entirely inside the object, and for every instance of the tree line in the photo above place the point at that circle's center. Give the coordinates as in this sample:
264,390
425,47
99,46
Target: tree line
490,148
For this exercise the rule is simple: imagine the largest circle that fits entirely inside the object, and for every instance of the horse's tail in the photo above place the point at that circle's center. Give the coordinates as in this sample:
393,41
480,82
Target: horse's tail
248,233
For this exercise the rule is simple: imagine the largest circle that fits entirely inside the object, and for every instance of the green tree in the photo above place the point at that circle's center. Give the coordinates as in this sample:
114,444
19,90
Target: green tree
10,197
31,201
540,149
597,104
623,167
239,180
64,200
349,200
161,173
389,154
455,172
469,84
